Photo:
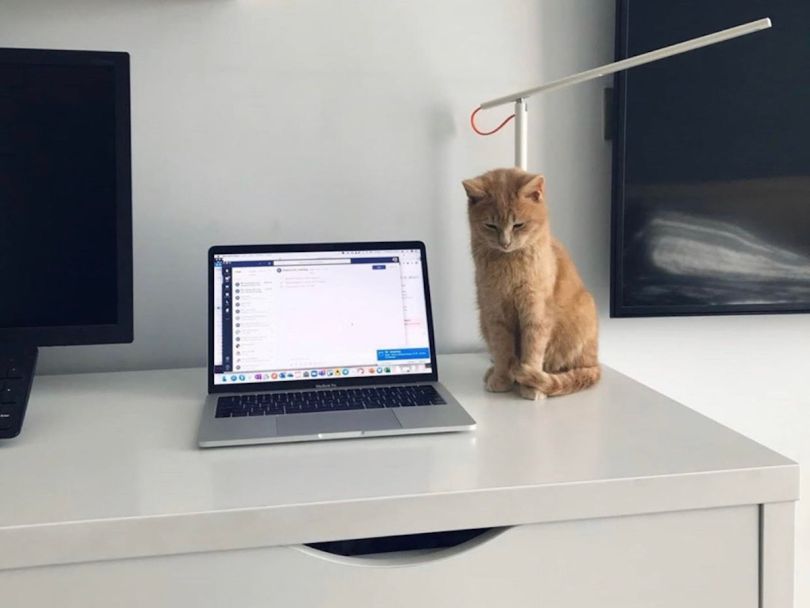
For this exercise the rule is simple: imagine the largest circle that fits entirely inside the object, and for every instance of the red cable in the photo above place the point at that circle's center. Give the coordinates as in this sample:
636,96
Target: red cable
495,130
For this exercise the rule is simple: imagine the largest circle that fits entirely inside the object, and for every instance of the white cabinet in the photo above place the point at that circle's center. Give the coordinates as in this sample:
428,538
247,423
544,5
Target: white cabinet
699,559
616,497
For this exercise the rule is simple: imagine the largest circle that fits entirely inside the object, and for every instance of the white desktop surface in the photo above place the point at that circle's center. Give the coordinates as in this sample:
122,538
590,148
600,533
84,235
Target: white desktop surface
107,467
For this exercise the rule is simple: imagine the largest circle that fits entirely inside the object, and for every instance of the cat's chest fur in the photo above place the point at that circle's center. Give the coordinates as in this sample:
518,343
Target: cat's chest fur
517,275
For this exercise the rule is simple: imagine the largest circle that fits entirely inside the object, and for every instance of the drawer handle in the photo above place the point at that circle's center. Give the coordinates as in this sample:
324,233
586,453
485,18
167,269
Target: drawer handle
387,554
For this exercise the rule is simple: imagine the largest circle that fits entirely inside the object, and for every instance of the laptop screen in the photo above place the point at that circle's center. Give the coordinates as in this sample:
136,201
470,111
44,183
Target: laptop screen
319,315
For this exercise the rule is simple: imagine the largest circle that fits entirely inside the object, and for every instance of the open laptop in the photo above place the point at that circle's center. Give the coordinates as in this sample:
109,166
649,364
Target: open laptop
329,341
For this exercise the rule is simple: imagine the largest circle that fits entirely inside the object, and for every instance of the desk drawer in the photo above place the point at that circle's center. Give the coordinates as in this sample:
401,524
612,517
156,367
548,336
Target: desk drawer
699,559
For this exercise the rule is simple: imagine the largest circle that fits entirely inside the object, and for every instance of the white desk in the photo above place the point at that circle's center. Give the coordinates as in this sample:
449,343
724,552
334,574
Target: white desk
616,497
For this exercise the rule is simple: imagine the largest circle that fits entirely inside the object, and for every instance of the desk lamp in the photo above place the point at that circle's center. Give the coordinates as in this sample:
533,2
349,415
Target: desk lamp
519,98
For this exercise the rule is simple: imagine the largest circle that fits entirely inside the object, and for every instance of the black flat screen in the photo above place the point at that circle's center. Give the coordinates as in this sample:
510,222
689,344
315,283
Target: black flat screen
711,209
61,200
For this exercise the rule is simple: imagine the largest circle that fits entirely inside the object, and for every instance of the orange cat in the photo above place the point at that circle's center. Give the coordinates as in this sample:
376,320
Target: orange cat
537,318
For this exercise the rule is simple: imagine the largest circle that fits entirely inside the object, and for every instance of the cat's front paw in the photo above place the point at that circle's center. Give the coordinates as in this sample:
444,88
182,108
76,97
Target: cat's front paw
497,382
531,393
530,376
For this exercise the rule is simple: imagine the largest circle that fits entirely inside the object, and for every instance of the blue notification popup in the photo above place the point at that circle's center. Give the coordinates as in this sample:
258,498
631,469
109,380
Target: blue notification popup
402,354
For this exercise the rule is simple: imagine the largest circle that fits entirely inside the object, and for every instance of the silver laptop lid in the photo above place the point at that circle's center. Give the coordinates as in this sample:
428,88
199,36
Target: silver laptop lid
325,315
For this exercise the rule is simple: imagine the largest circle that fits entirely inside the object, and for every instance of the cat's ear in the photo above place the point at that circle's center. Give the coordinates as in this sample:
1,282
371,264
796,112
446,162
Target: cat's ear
535,188
474,189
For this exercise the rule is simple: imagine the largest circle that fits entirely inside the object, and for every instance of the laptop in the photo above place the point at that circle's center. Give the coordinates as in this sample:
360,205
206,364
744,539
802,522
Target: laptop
314,342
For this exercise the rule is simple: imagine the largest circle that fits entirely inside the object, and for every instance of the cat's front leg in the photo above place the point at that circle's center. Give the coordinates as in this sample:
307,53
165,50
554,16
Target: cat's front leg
501,341
535,333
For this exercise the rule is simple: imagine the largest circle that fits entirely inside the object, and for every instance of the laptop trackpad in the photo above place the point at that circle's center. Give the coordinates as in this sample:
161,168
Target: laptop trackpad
336,422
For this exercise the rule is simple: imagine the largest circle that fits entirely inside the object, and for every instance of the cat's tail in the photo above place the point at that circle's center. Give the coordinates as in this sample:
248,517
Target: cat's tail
562,383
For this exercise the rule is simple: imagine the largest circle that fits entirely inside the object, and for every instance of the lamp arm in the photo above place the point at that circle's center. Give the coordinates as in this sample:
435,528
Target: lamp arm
631,62
519,98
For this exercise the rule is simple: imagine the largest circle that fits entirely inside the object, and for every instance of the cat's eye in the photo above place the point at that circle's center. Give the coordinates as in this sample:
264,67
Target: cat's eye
518,226
491,226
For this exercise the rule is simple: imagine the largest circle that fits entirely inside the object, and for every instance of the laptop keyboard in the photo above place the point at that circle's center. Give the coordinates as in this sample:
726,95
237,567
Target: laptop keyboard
298,402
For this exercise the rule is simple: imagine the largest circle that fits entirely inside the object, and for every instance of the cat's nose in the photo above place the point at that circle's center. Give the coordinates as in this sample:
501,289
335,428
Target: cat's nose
505,240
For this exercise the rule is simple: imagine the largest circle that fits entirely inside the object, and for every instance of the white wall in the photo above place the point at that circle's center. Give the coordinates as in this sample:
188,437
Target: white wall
292,120
282,120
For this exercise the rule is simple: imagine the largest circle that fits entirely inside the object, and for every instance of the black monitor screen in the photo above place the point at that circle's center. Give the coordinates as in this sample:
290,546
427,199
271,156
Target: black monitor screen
712,162
60,196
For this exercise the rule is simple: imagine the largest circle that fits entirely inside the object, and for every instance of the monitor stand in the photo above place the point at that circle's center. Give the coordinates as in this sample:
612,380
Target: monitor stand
17,364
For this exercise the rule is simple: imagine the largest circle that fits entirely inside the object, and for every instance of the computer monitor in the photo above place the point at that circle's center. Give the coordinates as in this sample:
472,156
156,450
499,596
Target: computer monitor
65,202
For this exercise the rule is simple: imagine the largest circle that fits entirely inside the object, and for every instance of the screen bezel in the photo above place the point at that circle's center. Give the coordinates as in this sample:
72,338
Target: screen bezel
122,330
617,308
252,387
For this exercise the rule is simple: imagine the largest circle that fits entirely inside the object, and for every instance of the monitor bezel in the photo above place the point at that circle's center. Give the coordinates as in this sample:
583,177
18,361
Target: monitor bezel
252,387
122,330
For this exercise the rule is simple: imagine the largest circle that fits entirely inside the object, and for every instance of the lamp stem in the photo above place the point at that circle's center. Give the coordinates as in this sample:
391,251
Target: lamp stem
521,134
